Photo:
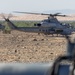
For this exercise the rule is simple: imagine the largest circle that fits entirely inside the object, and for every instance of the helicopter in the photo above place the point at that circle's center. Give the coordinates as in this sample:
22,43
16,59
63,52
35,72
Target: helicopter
47,27
52,25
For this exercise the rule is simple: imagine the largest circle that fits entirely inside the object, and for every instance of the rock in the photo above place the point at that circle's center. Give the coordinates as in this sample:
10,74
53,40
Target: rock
34,39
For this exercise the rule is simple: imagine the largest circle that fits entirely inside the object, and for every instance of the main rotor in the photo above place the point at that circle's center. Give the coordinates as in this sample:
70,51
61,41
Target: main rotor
49,15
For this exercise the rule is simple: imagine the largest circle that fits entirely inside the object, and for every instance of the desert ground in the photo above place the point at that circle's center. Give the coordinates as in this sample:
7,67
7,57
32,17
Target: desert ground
30,47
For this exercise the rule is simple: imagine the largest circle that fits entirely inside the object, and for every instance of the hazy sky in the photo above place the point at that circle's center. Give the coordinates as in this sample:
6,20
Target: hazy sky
7,6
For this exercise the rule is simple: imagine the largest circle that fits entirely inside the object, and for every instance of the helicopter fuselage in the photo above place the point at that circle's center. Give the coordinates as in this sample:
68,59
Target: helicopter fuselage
47,26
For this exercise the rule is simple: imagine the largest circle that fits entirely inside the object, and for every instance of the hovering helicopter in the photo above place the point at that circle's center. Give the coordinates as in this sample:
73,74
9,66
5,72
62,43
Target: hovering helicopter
47,27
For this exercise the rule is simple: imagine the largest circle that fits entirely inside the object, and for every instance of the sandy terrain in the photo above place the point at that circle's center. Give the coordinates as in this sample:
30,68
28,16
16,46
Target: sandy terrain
30,47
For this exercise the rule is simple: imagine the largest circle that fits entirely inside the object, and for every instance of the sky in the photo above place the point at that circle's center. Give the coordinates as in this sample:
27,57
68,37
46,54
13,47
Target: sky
8,6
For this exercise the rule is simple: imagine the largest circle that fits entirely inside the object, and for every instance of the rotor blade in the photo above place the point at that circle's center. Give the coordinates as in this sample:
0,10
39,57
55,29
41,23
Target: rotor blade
31,13
27,12
36,13
56,14
62,15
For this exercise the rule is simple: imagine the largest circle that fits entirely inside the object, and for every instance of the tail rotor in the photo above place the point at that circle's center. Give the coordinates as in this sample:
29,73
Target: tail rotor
6,17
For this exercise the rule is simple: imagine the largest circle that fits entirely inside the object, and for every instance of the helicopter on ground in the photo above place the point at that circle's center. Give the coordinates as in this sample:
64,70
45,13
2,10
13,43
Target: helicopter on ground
47,27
